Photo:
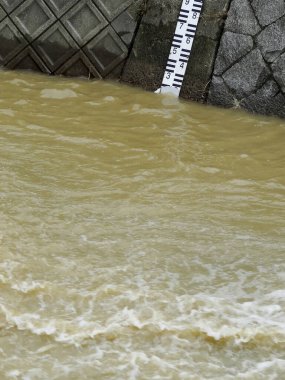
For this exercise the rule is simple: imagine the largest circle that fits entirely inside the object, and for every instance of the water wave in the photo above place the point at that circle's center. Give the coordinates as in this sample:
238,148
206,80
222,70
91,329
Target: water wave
212,319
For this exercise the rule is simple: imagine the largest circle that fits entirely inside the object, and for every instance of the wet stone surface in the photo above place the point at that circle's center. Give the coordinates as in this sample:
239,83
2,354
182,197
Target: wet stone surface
268,12
278,68
89,38
233,46
250,65
250,72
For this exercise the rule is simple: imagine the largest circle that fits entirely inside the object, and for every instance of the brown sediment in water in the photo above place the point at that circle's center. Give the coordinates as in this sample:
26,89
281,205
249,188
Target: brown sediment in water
141,236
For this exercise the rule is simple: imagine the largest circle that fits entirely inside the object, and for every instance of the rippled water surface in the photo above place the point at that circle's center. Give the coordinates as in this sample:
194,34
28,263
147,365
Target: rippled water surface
141,237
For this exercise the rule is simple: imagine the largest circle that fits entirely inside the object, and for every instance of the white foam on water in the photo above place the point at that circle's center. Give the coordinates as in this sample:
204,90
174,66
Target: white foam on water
276,294
127,261
109,98
21,102
92,103
7,112
28,286
82,141
14,374
54,93
269,370
203,316
21,82
210,170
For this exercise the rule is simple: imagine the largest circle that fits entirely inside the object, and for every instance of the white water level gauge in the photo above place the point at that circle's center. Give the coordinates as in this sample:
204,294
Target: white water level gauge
181,46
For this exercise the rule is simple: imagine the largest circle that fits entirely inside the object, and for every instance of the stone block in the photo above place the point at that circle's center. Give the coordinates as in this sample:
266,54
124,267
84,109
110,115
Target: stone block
55,46
2,13
112,8
58,30
59,7
254,78
268,100
278,68
271,40
106,51
84,21
232,48
125,24
32,18
241,18
11,41
28,60
220,95
247,75
10,5
267,11
79,66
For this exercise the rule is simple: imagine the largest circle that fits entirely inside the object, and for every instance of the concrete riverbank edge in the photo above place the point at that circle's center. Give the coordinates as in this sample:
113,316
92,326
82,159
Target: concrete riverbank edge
237,61
146,64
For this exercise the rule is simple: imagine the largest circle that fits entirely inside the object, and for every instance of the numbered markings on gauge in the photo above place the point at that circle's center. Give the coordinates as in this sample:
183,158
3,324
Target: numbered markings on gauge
177,40
197,6
181,46
178,80
183,15
191,31
171,64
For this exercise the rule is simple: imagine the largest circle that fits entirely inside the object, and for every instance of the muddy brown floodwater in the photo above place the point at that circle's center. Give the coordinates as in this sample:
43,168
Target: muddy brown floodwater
141,237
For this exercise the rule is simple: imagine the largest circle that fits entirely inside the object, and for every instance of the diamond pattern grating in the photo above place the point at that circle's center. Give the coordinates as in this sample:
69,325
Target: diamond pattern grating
2,14
87,38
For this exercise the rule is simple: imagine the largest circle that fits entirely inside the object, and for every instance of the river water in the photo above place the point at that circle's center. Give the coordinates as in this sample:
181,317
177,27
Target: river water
141,237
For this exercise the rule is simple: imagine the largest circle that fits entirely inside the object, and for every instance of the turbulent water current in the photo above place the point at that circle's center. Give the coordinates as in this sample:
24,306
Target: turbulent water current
141,237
